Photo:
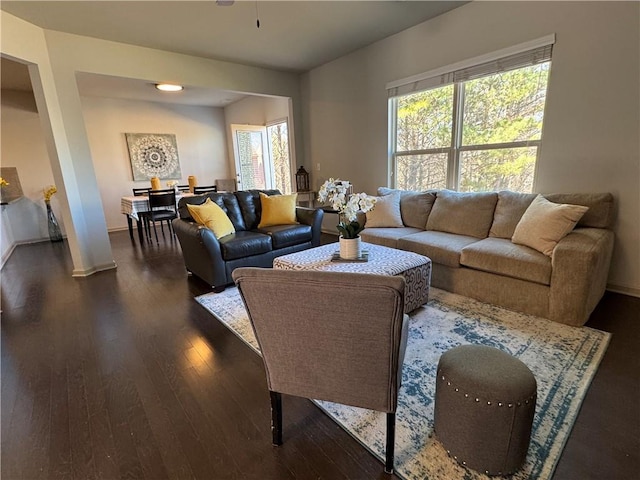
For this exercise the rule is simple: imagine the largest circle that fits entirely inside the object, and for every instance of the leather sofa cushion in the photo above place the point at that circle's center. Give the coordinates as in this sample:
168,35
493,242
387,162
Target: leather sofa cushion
244,244
499,255
250,206
387,237
468,214
226,201
414,206
286,235
441,247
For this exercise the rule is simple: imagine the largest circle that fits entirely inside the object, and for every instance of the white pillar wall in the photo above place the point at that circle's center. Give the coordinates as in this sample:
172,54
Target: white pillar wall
60,113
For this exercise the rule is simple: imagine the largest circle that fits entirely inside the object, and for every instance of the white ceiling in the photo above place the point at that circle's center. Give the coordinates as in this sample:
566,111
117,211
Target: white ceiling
294,36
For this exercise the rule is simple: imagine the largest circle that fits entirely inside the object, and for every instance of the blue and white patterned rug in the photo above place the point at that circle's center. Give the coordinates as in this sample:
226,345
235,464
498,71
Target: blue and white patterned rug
563,359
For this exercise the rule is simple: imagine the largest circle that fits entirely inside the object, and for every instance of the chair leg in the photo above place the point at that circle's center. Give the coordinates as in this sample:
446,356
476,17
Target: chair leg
155,230
276,418
391,440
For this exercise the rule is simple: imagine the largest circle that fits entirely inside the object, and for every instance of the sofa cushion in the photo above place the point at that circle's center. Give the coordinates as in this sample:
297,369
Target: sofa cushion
386,212
545,223
244,244
414,206
286,235
387,237
509,210
441,247
469,214
601,213
278,210
250,206
230,205
501,256
213,217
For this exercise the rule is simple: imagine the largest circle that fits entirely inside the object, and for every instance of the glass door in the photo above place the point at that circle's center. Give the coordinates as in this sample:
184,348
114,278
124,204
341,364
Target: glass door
253,165
278,134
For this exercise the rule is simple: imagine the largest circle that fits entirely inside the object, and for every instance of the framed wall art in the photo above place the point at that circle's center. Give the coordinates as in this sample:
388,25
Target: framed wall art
153,155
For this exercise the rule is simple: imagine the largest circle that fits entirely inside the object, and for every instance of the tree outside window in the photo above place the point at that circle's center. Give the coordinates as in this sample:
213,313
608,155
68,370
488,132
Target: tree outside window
476,135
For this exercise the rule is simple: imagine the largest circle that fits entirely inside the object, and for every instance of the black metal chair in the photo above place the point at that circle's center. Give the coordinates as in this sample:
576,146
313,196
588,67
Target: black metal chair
162,208
205,189
139,192
183,188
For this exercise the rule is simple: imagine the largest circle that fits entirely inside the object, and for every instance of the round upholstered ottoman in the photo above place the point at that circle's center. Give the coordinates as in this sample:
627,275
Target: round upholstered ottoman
485,401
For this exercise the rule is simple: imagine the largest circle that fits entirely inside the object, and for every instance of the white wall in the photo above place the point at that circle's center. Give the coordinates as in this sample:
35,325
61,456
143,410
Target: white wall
199,135
591,138
23,147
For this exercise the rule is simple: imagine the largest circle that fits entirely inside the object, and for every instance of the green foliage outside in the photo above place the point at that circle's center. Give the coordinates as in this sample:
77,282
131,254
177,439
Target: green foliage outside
502,108
279,138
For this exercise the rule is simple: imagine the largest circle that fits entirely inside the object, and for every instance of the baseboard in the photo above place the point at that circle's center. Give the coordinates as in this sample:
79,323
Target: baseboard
631,291
92,270
13,246
7,254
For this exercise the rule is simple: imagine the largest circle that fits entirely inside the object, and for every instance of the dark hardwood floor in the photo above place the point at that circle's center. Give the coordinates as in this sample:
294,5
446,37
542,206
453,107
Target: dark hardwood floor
123,375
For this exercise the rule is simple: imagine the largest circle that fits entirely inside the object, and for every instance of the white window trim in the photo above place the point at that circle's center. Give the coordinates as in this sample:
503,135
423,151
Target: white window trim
456,148
470,62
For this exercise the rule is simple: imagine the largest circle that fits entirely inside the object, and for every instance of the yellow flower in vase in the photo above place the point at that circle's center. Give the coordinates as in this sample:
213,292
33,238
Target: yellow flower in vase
49,192
3,182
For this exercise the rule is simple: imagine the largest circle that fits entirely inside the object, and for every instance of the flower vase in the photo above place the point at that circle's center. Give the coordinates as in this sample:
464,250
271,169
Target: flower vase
350,248
55,235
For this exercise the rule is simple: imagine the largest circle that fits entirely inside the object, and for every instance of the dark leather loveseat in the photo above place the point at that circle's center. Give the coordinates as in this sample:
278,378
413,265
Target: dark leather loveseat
213,260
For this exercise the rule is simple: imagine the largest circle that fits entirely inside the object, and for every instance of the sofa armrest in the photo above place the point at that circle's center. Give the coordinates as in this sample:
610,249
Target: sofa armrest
579,270
312,217
201,252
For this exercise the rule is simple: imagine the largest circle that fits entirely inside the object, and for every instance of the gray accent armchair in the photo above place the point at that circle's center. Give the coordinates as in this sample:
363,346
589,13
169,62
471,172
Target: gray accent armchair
333,336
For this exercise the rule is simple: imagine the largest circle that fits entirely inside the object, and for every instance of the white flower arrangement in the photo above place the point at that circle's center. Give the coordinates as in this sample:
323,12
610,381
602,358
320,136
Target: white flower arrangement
172,183
335,192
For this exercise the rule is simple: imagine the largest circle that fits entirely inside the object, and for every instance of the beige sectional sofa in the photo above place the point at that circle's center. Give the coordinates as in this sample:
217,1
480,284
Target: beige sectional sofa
468,237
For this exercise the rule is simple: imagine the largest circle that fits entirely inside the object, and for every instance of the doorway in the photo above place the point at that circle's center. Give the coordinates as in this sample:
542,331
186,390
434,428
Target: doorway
262,156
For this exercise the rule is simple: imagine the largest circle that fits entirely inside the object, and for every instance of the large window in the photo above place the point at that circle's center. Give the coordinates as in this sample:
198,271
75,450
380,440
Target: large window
480,131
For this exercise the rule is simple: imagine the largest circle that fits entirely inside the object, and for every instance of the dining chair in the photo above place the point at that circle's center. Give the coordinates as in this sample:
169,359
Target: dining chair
332,336
138,192
162,208
205,189
226,184
183,188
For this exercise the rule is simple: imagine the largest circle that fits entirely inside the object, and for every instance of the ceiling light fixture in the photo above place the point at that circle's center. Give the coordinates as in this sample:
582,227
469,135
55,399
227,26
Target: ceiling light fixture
168,87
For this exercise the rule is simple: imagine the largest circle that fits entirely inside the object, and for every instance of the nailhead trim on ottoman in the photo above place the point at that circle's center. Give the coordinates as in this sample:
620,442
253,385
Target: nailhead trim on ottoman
484,406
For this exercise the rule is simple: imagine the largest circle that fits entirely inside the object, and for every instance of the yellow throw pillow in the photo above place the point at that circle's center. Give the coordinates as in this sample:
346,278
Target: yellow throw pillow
213,217
278,209
545,223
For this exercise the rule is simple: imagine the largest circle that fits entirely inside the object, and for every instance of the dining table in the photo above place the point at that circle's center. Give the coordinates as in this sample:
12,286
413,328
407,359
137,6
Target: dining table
133,205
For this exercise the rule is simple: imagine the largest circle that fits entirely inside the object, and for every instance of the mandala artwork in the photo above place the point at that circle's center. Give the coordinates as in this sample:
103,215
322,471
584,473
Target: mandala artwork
153,155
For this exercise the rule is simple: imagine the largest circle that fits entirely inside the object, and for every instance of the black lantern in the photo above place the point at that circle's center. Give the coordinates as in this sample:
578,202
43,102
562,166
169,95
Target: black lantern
302,180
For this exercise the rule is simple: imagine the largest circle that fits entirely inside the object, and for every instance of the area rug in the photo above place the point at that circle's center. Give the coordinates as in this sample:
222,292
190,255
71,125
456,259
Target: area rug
563,359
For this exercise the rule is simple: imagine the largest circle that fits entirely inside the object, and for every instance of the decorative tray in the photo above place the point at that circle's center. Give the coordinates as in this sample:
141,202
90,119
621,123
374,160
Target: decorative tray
364,257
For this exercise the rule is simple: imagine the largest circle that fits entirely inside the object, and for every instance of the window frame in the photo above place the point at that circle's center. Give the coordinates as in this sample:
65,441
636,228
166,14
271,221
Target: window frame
455,149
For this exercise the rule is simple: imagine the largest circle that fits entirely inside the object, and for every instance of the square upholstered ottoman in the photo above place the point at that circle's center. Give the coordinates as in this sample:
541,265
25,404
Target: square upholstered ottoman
416,269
